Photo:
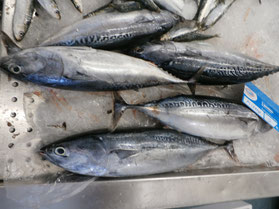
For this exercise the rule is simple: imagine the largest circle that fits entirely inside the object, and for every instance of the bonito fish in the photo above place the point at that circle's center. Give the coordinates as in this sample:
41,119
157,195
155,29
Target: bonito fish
209,117
113,29
84,68
129,154
220,68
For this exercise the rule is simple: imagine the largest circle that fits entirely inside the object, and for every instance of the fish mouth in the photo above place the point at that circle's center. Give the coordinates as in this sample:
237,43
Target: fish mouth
42,152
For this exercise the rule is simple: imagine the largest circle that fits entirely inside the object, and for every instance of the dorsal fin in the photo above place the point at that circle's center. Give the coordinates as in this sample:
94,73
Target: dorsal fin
9,44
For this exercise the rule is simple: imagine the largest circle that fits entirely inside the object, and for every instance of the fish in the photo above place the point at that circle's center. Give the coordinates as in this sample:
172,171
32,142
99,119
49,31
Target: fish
51,7
183,60
203,116
111,30
175,6
178,7
205,7
216,14
180,30
84,68
22,18
184,32
133,153
78,5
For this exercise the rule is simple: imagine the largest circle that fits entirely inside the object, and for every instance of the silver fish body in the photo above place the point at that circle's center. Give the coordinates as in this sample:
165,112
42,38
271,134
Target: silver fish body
205,7
128,154
113,29
184,8
180,30
51,7
22,18
208,117
216,14
184,60
84,68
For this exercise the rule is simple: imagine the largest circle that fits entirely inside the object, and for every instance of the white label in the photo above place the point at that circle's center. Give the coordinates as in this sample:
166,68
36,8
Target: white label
254,107
250,94
270,120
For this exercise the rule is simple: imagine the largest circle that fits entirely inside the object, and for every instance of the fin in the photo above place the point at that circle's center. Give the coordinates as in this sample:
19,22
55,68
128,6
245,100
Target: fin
122,154
150,4
9,44
192,82
192,87
119,107
78,5
228,146
196,77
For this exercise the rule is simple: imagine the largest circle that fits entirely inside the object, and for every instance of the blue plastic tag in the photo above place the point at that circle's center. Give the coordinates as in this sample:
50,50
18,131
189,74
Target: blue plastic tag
261,104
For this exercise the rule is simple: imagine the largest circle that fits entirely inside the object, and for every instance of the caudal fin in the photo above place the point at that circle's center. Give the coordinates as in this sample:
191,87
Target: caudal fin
119,107
9,43
228,146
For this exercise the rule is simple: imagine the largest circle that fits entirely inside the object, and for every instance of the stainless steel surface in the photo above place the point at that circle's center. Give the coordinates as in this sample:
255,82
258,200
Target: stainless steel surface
41,115
169,191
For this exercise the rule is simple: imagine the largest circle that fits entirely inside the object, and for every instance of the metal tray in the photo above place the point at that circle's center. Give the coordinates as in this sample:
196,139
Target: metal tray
33,116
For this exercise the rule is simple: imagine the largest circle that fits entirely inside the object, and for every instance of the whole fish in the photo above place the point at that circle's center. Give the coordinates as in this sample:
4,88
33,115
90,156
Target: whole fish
51,7
113,29
209,117
184,32
22,18
216,14
184,60
205,7
129,154
84,68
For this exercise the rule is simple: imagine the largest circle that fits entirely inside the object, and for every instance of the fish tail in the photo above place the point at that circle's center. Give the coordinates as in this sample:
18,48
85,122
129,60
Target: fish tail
9,43
119,108
228,146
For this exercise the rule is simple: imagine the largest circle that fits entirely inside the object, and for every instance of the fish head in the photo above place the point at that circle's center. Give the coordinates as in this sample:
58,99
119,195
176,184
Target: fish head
24,62
153,52
31,63
87,157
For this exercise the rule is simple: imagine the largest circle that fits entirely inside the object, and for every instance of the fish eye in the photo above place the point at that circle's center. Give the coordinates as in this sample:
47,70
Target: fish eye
15,69
60,151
